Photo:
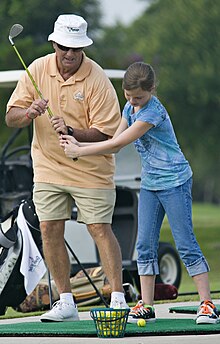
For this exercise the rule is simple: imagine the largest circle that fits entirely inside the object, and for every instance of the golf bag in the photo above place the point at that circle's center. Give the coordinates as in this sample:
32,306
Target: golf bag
13,288
82,290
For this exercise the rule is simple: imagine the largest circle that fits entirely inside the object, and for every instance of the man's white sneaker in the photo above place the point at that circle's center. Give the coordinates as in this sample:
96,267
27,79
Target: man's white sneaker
61,312
115,303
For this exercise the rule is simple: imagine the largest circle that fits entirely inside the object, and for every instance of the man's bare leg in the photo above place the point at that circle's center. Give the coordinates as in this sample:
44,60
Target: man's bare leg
110,253
58,263
55,254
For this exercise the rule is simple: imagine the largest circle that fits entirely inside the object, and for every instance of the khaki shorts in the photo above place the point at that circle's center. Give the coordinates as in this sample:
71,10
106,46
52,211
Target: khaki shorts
55,202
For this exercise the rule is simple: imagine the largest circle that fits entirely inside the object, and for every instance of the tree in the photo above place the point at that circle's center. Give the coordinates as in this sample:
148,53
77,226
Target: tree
37,18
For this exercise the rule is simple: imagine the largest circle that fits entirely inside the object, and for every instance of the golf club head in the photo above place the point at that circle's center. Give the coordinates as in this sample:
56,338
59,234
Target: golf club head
15,30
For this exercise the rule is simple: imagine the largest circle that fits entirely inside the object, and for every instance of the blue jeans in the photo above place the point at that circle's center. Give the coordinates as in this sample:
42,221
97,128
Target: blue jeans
176,203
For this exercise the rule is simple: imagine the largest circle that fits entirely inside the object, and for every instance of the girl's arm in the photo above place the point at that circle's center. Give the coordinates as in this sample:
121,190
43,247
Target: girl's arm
122,137
122,126
71,139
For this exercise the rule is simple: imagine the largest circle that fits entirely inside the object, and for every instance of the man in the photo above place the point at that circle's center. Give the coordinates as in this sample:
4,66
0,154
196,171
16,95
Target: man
84,104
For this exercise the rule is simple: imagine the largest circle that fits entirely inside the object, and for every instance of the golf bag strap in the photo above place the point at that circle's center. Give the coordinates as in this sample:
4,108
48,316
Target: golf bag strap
9,238
6,242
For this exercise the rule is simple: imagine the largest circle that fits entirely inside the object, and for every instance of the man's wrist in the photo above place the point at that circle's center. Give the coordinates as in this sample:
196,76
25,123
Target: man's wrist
70,130
28,116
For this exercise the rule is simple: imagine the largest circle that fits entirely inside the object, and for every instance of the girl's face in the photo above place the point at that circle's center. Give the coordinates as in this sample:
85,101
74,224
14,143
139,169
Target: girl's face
137,97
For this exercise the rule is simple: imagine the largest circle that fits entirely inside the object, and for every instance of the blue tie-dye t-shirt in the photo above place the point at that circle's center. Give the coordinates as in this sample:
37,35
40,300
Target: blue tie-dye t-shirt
163,163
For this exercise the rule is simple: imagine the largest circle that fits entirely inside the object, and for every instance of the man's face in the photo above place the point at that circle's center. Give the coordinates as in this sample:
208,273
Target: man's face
68,59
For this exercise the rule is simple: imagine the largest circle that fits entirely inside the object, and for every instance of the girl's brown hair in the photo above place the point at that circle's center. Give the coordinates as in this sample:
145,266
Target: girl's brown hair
139,74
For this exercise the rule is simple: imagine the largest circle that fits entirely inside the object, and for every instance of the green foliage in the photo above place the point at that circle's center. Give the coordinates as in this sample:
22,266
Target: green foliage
37,18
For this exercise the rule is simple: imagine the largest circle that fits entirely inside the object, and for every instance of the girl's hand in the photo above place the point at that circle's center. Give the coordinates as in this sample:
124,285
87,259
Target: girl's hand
68,138
70,146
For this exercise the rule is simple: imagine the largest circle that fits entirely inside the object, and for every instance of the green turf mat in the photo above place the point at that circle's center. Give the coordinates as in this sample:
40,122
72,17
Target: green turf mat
86,328
187,309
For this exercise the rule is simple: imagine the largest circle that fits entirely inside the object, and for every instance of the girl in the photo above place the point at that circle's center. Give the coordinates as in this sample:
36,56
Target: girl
166,182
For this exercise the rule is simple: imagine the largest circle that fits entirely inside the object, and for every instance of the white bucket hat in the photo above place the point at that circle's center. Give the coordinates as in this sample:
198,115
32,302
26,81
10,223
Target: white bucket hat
70,30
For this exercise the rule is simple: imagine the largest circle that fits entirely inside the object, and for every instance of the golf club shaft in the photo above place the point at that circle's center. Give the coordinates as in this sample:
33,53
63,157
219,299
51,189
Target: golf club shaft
32,79
87,275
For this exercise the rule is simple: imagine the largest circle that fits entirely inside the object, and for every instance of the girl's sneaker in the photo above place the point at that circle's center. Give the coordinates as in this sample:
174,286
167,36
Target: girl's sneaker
207,313
141,311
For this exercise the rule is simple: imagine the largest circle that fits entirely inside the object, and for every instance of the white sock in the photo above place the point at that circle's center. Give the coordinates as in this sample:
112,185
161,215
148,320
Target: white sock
118,295
67,298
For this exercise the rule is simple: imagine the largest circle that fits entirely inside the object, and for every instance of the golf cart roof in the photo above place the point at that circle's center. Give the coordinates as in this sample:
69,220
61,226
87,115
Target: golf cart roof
9,78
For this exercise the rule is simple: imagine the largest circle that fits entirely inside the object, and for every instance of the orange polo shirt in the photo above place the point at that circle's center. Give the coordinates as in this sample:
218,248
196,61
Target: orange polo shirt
86,100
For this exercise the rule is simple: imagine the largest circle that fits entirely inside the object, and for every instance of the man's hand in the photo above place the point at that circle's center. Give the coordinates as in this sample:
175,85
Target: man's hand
59,125
37,108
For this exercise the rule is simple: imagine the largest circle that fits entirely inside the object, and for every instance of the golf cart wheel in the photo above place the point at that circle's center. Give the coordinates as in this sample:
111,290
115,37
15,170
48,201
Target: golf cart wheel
169,265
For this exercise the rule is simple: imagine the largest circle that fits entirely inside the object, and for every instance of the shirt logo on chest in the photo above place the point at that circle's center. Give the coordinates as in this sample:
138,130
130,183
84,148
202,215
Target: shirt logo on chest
78,96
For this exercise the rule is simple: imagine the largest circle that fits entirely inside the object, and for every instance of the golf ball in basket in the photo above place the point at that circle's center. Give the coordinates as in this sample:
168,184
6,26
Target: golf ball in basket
141,323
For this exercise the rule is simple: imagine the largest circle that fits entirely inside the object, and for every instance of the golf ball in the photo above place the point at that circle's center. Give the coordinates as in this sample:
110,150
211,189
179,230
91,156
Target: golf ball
141,323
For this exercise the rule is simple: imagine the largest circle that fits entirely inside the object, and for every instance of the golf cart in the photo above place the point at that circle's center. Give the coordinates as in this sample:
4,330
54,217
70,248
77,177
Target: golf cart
16,181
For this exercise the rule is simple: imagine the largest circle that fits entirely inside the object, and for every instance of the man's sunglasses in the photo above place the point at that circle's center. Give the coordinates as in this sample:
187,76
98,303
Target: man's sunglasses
63,48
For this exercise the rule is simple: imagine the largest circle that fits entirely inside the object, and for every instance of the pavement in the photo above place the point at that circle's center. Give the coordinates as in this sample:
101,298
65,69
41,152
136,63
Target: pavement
162,311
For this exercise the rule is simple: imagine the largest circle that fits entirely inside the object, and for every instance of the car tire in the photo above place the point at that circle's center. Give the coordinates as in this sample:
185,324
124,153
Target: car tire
169,265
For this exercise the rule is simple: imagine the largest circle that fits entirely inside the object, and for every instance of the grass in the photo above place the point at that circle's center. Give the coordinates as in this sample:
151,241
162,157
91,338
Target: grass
206,219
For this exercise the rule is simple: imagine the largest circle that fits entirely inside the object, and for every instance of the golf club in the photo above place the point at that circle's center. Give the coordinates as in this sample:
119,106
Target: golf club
15,30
